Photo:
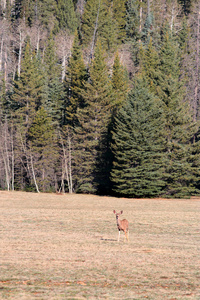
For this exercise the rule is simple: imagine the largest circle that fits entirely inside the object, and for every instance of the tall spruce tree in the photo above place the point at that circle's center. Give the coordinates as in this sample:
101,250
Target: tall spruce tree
92,125
75,82
150,65
132,20
28,89
42,142
66,15
138,144
107,27
119,82
54,98
98,21
179,127
90,19
119,15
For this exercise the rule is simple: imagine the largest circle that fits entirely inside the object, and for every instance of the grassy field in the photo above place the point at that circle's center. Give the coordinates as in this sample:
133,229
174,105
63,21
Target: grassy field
65,247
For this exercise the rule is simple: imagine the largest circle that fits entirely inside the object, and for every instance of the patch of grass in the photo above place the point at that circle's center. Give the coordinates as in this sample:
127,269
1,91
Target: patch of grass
65,247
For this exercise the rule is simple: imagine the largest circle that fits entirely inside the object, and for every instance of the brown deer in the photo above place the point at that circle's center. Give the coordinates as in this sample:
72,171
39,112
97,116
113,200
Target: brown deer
122,225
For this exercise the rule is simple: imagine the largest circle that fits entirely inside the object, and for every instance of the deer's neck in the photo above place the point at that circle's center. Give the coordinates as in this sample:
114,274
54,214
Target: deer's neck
119,223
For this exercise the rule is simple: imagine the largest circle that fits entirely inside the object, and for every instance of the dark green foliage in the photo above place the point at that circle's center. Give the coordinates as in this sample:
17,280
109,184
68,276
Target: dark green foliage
107,28
92,124
75,83
42,142
138,145
28,89
54,95
119,16
106,20
179,127
66,15
132,20
89,19
120,84
150,62
148,29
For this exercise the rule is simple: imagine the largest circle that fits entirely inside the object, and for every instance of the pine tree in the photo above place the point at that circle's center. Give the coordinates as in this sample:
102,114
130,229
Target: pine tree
120,85
179,127
53,102
119,15
93,123
138,143
43,148
148,29
27,89
45,13
98,21
75,83
132,20
89,20
107,28
150,66
66,15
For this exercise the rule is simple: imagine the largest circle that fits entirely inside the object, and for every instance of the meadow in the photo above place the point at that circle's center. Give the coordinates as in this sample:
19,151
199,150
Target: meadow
65,247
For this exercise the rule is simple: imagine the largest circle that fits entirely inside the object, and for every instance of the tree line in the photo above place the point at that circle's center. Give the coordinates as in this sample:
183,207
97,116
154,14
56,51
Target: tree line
100,96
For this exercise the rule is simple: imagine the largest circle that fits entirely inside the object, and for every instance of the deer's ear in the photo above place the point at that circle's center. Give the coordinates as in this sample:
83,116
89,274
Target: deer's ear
121,211
114,211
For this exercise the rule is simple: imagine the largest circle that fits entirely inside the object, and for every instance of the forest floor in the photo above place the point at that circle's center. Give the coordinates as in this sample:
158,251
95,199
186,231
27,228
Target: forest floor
65,247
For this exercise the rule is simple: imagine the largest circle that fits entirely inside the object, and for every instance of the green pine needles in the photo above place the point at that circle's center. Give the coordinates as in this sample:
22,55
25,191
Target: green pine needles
138,145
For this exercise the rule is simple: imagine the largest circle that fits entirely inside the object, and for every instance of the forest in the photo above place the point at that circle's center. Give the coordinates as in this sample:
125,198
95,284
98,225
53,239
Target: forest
100,97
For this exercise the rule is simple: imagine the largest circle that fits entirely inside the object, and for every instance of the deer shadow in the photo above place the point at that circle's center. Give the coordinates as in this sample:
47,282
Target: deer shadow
108,240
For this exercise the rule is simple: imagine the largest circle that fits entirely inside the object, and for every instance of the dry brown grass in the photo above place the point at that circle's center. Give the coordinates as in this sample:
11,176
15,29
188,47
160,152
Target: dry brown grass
65,247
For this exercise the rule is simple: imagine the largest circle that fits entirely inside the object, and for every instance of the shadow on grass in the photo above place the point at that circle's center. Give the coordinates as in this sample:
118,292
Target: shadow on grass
108,240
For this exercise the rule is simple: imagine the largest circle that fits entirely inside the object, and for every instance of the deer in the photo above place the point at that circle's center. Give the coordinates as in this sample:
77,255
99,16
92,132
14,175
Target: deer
122,225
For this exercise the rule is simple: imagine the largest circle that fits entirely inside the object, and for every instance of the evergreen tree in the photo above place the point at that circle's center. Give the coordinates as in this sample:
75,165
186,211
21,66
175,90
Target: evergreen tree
45,13
89,20
27,89
98,20
119,15
120,85
92,125
138,143
132,20
66,15
148,29
53,102
179,127
43,148
107,28
75,84
150,62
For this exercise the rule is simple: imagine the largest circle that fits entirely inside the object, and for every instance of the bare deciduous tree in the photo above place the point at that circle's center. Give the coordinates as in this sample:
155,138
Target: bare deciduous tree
7,153
64,42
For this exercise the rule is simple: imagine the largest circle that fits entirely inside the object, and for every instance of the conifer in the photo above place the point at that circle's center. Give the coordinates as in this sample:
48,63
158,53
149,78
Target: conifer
42,142
120,86
27,89
179,126
119,16
138,143
75,83
92,124
66,15
54,95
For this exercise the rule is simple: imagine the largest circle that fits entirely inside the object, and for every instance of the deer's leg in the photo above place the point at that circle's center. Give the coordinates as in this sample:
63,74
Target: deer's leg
128,235
125,236
119,236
